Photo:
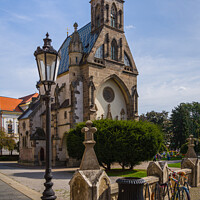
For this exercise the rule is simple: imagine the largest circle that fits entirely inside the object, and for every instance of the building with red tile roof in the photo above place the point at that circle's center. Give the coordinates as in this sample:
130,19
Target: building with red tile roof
10,110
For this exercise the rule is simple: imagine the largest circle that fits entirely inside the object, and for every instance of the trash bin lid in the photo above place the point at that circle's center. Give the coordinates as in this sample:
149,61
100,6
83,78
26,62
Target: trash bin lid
131,181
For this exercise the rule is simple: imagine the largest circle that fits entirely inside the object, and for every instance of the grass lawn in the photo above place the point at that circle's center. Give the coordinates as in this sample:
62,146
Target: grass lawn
175,165
127,173
173,158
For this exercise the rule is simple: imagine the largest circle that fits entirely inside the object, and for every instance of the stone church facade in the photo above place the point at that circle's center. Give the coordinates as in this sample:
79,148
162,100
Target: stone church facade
97,79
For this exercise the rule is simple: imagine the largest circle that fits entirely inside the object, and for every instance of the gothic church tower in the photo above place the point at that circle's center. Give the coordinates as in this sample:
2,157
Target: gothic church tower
116,75
97,79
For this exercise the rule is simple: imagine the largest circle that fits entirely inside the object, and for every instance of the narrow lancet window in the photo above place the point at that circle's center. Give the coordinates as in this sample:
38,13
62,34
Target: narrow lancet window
114,51
113,16
126,60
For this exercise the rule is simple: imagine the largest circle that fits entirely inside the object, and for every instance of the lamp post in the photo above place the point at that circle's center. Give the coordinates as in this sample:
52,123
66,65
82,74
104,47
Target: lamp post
47,59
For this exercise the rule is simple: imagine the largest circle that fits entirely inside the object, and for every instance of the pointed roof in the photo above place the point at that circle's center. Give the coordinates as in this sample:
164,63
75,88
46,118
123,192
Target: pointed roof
88,40
10,104
75,44
28,98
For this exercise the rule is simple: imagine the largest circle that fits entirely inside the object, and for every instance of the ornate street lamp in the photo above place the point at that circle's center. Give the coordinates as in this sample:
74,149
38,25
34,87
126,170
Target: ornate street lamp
47,59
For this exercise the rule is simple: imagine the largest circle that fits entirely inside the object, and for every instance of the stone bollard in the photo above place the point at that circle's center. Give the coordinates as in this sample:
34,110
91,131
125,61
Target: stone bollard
192,162
90,182
158,169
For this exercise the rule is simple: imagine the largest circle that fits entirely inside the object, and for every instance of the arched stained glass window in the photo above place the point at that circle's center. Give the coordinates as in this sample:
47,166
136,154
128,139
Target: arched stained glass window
99,52
113,16
126,60
114,51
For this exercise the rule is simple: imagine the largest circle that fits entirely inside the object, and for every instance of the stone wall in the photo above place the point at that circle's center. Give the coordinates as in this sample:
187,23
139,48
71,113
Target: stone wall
151,181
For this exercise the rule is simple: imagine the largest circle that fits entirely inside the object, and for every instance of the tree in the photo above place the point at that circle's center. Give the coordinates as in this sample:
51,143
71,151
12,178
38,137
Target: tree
118,141
185,120
162,120
2,140
155,117
10,144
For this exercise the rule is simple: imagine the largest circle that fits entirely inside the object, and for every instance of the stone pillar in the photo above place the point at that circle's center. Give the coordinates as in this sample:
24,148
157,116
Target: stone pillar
90,182
158,169
192,162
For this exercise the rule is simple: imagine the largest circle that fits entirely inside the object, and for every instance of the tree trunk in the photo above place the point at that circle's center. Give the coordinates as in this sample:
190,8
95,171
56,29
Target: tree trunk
108,166
123,166
131,167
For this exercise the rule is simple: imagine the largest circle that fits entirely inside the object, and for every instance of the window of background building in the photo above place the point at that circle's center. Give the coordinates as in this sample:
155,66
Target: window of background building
65,115
10,128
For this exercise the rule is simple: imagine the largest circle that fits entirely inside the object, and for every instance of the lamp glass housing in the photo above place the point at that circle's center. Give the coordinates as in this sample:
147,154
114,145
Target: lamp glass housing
48,64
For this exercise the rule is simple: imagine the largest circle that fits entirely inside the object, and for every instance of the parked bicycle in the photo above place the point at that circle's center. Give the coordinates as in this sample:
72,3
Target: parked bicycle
177,188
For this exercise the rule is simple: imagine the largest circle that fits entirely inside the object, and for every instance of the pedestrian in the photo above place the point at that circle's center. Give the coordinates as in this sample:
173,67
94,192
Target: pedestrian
168,156
154,158
164,153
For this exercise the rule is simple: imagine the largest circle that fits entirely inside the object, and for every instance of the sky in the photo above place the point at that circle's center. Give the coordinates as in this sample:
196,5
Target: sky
163,35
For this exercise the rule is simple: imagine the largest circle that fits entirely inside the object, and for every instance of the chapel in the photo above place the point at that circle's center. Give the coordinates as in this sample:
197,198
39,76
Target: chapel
97,79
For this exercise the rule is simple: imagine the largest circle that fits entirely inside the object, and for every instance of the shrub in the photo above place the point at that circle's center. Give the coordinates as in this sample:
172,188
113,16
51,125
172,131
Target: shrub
9,158
125,142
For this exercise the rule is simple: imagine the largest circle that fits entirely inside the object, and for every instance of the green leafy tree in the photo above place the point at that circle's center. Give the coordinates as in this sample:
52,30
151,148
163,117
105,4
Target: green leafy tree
155,117
185,120
162,120
10,144
2,140
118,141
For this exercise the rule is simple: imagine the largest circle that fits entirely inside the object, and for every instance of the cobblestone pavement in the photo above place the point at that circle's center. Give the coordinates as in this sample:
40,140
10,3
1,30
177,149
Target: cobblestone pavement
8,193
195,193
32,177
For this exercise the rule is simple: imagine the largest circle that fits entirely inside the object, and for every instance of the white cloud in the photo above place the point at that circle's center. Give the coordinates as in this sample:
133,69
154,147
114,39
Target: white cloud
15,17
163,83
129,27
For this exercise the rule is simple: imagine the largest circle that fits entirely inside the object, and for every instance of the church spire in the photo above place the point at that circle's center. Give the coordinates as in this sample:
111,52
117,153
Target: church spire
75,44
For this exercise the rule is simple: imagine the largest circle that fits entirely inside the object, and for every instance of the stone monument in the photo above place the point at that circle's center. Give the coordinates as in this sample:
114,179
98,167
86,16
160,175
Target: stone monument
90,182
192,162
191,152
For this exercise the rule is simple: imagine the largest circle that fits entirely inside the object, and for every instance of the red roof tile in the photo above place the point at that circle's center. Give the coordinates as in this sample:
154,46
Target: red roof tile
10,104
28,98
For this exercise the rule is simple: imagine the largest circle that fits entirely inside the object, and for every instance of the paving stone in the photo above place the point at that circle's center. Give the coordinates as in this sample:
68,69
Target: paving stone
195,193
9,193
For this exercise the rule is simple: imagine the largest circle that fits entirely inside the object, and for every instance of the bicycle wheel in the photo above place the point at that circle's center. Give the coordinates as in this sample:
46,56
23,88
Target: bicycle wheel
182,194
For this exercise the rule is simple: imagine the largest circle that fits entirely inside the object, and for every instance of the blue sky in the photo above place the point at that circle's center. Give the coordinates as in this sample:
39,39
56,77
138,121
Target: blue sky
164,37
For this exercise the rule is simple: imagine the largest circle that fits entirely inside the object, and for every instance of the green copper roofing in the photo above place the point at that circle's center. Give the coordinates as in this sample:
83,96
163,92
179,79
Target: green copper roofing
88,39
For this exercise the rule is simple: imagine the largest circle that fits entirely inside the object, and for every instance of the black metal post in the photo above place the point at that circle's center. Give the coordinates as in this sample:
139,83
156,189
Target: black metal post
48,193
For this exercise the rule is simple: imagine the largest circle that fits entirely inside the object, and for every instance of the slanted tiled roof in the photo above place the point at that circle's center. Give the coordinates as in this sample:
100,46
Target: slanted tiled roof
28,98
30,110
88,39
10,104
